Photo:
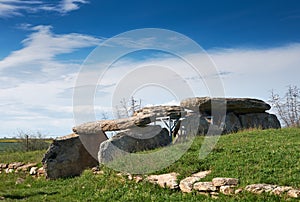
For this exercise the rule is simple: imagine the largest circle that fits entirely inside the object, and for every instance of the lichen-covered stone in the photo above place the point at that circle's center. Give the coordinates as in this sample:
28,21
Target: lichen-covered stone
222,181
204,187
67,157
168,180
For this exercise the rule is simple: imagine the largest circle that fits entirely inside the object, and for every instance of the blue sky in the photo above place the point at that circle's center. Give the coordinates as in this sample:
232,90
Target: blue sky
254,44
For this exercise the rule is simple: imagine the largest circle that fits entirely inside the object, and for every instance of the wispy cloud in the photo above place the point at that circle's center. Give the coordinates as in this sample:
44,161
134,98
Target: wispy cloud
70,5
42,46
10,8
33,78
254,72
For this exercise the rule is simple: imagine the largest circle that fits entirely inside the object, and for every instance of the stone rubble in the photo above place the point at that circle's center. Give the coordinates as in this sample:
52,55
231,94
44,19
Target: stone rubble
227,190
204,187
294,193
16,167
186,185
218,182
273,189
226,186
33,170
168,180
26,167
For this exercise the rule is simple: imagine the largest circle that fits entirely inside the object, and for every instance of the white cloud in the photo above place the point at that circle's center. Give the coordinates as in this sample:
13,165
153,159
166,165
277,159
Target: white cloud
42,46
14,7
254,72
10,8
70,5
33,82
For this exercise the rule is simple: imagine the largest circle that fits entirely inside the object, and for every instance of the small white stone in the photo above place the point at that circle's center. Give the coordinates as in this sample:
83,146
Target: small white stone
294,193
33,170
9,170
227,190
238,191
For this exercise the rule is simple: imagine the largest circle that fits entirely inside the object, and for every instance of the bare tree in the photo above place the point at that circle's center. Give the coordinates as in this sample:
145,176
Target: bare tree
104,115
127,108
32,141
288,107
134,105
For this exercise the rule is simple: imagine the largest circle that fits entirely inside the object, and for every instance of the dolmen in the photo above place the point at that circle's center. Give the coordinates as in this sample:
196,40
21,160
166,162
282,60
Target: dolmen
89,145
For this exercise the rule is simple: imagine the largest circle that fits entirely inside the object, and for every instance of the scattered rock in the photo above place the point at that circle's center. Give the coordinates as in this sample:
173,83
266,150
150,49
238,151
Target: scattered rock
168,180
26,167
95,169
294,193
201,174
3,166
67,157
9,170
15,165
260,188
204,187
138,178
133,140
240,190
186,185
41,171
20,180
2,198
214,196
120,174
220,181
33,171
227,190
280,190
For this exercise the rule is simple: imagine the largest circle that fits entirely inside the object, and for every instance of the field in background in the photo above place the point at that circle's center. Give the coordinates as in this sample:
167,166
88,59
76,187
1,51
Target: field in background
8,145
15,145
269,156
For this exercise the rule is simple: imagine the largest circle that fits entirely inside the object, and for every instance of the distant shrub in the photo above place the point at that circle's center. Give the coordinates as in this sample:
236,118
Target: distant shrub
288,106
32,141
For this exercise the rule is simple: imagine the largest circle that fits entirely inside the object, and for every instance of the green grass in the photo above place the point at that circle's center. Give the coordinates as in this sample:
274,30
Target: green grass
15,145
10,145
25,157
269,156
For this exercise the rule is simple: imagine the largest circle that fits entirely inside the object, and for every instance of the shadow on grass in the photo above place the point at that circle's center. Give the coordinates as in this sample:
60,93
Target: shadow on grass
24,196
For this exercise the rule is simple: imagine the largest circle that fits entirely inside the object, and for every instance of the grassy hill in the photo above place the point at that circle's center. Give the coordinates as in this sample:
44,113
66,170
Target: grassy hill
269,156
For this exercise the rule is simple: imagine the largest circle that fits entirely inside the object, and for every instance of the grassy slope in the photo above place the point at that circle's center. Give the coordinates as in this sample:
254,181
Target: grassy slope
270,156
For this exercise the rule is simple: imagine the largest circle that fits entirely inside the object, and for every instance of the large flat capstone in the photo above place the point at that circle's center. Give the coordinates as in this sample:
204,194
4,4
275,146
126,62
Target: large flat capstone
235,105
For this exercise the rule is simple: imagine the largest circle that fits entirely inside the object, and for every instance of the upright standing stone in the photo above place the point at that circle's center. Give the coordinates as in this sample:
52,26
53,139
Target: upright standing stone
67,157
